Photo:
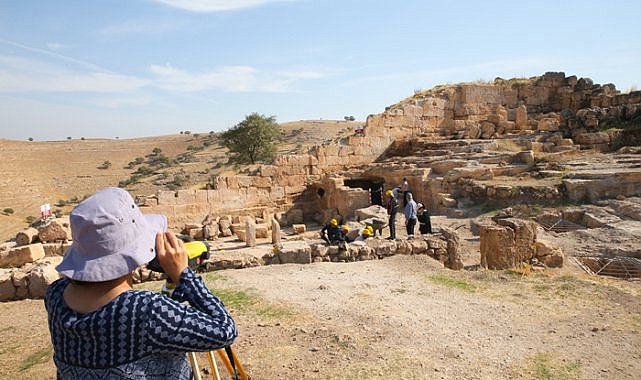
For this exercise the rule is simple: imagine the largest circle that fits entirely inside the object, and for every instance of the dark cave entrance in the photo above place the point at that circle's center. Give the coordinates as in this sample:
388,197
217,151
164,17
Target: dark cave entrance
374,186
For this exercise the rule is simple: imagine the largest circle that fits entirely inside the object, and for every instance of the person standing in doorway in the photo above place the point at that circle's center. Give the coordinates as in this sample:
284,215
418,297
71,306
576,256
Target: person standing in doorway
411,212
392,210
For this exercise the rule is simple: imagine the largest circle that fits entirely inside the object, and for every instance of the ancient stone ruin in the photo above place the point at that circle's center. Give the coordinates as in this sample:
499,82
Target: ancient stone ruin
461,147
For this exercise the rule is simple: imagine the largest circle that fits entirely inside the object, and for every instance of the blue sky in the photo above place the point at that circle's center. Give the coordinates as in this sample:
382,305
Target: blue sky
132,68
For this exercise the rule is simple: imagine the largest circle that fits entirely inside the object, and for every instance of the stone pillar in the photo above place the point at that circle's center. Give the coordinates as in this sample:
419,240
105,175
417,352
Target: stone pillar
275,231
250,233
521,117
453,255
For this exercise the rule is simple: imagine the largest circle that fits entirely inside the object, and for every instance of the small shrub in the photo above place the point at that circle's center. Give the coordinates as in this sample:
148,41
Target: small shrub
156,151
61,203
132,180
57,213
7,211
144,170
160,160
30,219
30,139
105,165
179,180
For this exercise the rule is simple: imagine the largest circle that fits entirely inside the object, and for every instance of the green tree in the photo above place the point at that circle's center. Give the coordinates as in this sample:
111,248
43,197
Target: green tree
252,139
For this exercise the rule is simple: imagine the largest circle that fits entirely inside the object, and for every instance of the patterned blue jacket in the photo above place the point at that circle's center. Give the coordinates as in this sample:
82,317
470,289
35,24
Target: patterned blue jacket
139,334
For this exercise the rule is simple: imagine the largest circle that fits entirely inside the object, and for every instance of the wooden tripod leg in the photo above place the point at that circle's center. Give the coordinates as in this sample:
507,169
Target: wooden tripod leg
213,365
194,365
239,366
223,358
239,373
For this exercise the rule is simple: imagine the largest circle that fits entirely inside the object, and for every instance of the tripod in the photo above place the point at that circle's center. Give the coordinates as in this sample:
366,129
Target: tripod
197,251
229,359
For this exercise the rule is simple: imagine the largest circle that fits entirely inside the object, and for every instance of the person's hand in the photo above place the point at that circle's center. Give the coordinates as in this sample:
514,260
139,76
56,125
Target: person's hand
172,255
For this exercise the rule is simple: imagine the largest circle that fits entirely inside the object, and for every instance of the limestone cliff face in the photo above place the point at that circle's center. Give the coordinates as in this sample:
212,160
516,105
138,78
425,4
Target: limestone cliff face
552,102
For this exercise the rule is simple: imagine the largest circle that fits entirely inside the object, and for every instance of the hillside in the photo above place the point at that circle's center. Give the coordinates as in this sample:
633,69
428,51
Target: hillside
37,172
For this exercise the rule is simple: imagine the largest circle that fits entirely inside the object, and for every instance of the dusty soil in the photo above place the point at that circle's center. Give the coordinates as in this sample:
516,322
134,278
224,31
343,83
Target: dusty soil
34,173
404,317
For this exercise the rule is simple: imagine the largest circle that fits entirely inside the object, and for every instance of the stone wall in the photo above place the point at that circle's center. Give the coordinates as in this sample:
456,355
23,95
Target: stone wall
552,102
443,246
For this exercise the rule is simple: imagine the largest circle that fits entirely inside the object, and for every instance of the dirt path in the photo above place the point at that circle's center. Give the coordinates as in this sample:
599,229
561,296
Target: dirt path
404,317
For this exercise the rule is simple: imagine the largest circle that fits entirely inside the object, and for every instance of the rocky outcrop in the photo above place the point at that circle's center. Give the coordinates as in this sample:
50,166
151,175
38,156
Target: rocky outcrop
55,230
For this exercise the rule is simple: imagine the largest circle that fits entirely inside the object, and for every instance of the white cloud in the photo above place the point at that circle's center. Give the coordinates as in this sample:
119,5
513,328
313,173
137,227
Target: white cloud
55,55
233,79
139,26
214,5
118,102
19,74
230,78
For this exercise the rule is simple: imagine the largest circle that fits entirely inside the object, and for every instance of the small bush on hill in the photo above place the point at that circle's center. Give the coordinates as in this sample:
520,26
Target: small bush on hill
7,211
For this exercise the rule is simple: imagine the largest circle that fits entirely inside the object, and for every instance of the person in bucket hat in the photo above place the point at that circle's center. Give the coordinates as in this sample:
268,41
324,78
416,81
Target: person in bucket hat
100,326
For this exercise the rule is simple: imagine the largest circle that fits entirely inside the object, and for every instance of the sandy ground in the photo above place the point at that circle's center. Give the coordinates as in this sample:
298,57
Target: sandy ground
404,317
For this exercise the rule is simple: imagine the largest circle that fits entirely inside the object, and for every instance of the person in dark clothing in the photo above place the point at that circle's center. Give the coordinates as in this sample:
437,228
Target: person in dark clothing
392,210
424,223
331,233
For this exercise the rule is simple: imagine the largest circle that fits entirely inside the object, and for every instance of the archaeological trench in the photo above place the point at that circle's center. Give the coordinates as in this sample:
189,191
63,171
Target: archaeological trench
464,149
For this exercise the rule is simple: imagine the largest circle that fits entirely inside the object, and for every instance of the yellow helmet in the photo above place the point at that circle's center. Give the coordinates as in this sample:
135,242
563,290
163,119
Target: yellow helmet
370,229
345,228
388,192
365,232
333,222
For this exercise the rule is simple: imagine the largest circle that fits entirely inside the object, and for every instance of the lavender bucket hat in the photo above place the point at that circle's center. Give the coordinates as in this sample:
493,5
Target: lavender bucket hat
111,237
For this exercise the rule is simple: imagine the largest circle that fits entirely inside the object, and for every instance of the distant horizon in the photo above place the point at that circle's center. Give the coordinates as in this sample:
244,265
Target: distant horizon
190,133
140,68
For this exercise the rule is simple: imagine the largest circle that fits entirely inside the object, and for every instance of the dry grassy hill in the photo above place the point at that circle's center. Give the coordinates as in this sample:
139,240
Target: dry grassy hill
52,171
